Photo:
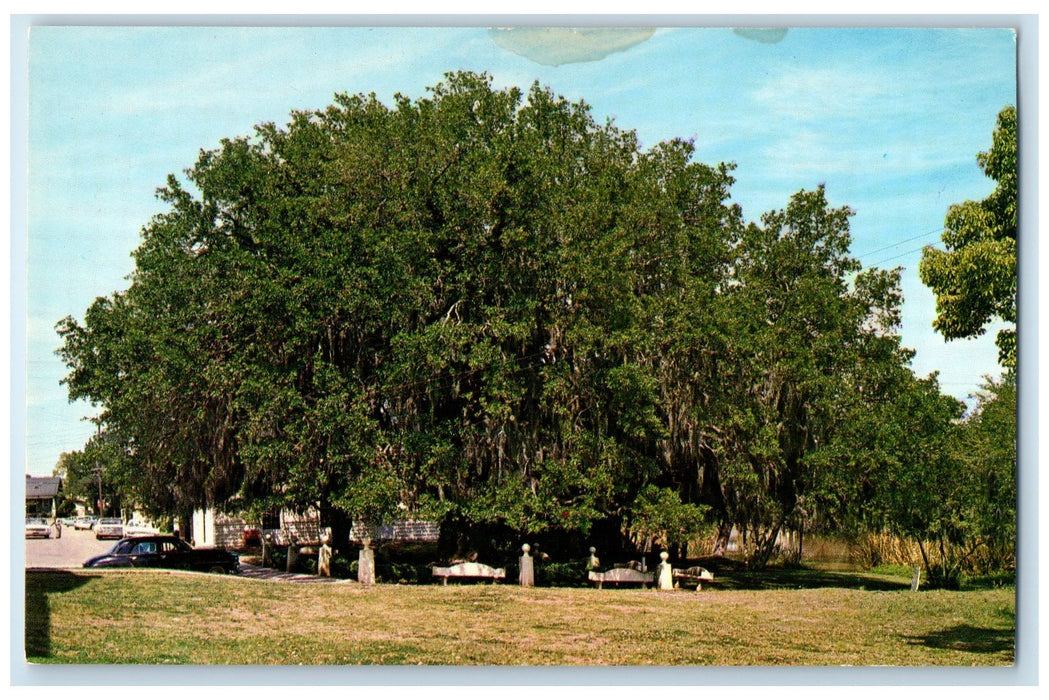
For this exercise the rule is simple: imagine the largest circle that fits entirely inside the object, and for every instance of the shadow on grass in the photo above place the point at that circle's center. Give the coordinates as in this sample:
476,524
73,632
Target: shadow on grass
40,585
730,575
980,640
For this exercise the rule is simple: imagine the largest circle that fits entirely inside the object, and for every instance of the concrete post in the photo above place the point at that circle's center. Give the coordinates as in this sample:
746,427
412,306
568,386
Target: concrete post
324,554
592,562
366,564
666,573
527,570
267,549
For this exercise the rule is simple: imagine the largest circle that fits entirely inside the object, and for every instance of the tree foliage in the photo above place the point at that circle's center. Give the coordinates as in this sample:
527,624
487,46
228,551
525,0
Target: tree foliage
975,278
914,467
100,471
985,449
658,516
485,304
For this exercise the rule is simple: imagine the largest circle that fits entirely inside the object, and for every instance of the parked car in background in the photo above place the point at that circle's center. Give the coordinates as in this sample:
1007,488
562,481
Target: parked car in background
83,522
37,527
134,528
109,528
166,552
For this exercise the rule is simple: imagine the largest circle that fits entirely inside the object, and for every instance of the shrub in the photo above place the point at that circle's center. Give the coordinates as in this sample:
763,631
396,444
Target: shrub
880,551
401,572
561,574
877,548
343,567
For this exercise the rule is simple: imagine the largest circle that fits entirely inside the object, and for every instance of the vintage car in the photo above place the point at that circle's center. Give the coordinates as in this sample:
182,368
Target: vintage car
166,552
135,528
83,522
37,527
109,528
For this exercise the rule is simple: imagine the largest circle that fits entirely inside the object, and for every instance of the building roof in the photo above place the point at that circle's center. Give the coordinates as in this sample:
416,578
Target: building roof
41,487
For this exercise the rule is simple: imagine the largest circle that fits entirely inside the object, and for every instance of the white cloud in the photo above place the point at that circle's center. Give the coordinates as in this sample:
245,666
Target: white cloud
820,95
554,46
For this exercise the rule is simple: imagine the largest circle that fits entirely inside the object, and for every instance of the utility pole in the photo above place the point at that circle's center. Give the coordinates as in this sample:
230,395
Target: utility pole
98,472
98,467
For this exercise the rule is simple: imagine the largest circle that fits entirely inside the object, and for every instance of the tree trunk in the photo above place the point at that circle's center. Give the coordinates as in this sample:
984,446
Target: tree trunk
184,520
766,546
925,557
724,533
340,525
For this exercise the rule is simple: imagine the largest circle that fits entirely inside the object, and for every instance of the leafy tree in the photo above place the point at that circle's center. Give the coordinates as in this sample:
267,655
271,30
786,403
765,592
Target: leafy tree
985,449
438,305
918,490
101,467
921,472
485,306
659,517
800,333
975,278
72,489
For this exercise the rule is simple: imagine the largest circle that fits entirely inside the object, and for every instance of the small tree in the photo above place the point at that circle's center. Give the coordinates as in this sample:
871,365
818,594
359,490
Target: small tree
658,516
984,448
100,470
947,484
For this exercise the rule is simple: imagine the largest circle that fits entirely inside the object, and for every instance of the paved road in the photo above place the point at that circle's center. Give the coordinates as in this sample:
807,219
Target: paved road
76,546
69,550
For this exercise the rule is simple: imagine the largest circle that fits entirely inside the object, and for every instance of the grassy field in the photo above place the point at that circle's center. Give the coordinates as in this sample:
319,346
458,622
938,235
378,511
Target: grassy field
832,619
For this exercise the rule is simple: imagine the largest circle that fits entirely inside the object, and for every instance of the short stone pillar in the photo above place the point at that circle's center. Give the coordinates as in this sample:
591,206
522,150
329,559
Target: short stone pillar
527,569
666,573
293,557
916,578
324,554
366,564
592,562
267,549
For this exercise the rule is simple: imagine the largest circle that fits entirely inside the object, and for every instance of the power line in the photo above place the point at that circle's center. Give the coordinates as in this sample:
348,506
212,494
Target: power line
899,243
895,257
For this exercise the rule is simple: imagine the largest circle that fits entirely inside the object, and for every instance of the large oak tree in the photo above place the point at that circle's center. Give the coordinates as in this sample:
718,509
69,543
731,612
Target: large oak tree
484,305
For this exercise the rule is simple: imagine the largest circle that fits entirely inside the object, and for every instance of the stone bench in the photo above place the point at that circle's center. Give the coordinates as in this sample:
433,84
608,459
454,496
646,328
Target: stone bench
694,574
468,570
621,575
299,542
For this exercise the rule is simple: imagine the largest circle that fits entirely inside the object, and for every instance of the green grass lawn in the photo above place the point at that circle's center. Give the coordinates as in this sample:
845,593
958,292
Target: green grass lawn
137,617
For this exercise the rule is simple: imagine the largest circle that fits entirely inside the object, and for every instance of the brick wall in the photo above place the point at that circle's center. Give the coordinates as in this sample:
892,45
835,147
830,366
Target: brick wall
229,531
404,531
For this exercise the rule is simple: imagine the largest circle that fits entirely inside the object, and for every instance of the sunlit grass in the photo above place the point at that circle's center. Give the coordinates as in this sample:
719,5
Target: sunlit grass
169,617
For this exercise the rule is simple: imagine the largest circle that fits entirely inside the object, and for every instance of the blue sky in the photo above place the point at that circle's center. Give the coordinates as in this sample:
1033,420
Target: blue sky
889,119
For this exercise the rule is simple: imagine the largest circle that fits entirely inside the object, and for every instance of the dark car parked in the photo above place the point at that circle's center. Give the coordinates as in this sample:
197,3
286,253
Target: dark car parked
166,552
